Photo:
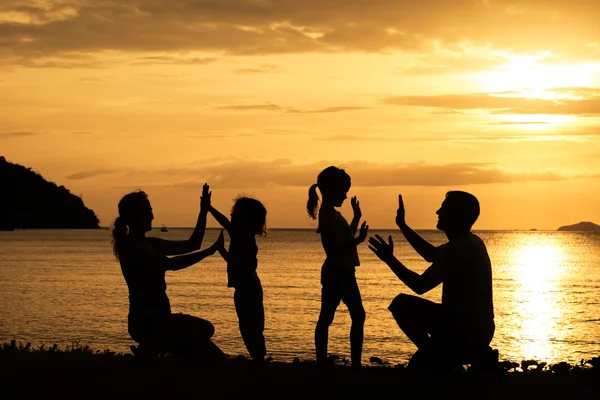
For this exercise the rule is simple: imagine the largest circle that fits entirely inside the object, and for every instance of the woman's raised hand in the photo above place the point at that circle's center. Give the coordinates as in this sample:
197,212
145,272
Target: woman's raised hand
205,198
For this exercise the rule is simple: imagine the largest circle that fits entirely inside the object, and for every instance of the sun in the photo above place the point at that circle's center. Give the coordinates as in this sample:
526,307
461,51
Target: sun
534,78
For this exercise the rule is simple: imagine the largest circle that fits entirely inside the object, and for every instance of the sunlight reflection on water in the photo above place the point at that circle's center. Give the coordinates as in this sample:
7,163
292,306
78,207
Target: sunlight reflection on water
537,268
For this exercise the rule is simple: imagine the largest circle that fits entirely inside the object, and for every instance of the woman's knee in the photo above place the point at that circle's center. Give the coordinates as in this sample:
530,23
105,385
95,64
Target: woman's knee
185,324
400,304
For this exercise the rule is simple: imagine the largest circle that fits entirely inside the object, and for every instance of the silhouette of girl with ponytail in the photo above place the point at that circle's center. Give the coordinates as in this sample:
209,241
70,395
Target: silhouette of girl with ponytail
338,277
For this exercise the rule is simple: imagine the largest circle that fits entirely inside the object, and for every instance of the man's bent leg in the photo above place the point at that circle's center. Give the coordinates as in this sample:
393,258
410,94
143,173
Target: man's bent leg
416,317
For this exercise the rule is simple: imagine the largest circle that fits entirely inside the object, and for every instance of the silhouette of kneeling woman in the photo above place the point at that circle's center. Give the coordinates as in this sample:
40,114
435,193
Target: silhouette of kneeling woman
144,262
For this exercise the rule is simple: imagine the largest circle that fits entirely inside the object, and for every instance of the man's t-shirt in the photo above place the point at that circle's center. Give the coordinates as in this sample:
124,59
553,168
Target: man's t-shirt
464,268
338,240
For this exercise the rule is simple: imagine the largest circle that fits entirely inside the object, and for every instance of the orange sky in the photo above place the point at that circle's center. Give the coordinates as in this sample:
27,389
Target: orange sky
498,98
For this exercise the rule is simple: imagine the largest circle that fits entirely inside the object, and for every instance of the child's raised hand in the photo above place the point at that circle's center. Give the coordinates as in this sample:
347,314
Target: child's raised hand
205,199
356,207
219,244
364,230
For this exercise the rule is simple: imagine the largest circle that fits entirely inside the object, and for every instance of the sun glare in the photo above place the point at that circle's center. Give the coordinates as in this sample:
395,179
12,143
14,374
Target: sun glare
537,272
531,75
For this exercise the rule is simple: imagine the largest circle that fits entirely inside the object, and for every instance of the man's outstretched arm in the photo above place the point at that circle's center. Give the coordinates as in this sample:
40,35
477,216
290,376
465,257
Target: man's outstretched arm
418,283
421,246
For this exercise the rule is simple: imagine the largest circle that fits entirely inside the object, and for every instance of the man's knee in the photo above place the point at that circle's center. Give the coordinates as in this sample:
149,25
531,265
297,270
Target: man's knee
208,329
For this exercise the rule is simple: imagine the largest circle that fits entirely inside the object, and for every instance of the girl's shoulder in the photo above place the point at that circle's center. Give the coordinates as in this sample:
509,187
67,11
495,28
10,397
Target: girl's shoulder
329,213
331,219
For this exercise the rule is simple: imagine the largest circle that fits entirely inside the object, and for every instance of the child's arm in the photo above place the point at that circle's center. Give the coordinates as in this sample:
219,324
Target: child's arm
224,253
221,219
357,214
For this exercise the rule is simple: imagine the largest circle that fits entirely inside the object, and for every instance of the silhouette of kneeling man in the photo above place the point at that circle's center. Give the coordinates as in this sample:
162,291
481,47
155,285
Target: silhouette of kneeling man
459,330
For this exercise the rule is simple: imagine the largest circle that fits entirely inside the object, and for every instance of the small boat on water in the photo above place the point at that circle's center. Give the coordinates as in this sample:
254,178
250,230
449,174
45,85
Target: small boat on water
164,229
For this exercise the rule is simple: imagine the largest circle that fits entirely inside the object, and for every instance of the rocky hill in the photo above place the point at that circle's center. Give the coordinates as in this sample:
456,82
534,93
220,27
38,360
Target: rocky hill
29,201
584,226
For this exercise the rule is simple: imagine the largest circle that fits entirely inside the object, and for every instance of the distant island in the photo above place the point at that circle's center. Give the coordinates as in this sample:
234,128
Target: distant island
28,201
581,227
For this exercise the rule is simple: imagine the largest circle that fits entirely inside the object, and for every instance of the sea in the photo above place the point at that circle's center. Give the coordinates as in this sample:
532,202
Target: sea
65,287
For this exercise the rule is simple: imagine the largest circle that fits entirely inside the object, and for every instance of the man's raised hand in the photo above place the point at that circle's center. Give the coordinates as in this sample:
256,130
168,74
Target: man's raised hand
400,213
381,248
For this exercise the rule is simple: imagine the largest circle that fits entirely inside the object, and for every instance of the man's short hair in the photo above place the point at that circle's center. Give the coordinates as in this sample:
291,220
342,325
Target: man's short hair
465,204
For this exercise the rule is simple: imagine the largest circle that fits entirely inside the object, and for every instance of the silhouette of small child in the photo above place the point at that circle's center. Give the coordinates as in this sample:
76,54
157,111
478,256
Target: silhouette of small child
338,277
248,220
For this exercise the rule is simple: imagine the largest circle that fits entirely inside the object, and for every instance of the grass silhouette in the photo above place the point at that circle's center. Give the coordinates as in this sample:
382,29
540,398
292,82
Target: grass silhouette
80,371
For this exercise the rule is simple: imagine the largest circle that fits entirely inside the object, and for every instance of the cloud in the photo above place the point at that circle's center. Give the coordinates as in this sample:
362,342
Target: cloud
452,61
15,134
587,102
62,61
90,174
447,112
265,69
90,79
245,174
252,107
261,27
151,60
359,138
520,123
291,110
328,109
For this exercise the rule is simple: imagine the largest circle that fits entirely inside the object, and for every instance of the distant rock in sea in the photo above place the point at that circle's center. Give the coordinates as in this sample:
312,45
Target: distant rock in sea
581,227
28,201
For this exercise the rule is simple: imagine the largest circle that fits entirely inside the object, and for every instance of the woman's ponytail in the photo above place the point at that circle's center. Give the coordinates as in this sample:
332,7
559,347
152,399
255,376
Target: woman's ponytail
119,234
312,204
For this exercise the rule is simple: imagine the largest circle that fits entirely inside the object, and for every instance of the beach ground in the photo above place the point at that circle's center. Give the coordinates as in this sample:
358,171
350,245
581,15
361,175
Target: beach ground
87,375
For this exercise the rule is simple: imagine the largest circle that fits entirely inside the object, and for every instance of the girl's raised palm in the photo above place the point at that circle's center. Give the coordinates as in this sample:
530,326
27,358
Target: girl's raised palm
356,207
364,230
